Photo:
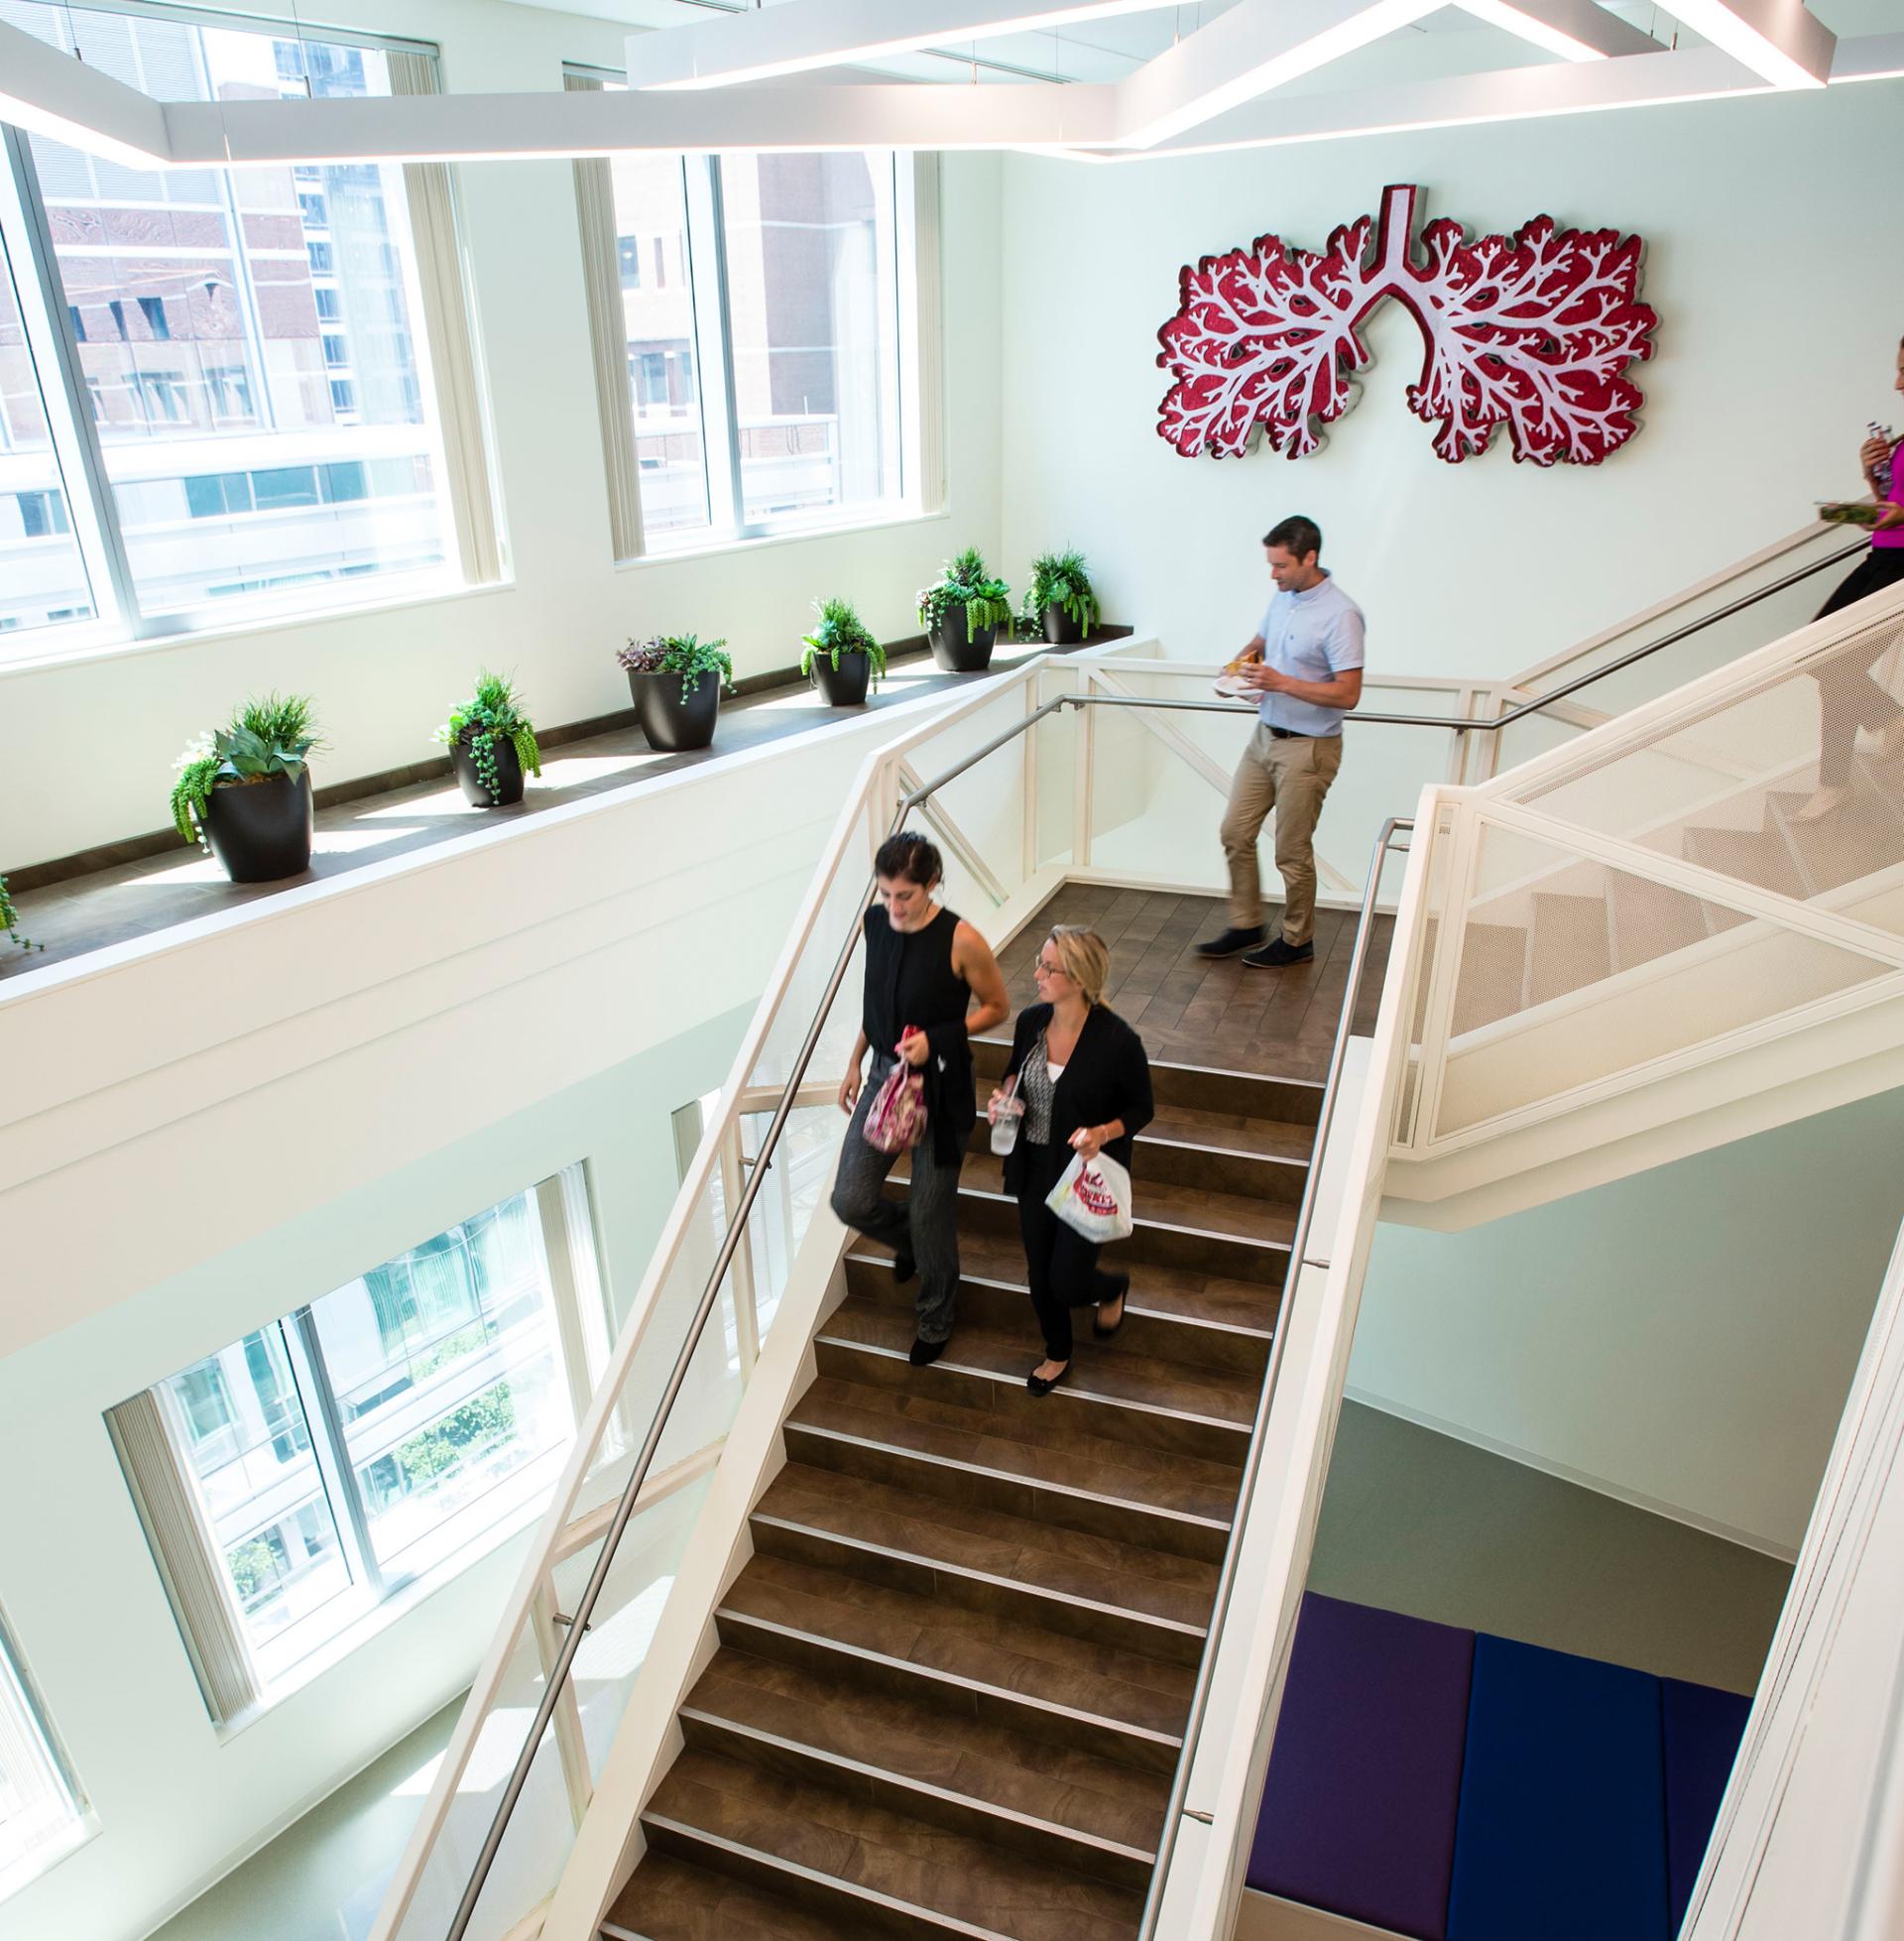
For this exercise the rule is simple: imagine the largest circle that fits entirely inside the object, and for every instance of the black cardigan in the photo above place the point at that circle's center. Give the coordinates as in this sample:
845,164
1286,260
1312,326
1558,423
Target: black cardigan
1108,1077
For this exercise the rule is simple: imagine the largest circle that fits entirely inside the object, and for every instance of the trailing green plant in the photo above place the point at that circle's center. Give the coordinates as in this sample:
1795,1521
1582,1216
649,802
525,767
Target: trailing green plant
1059,580
494,713
840,631
966,583
10,920
683,653
273,736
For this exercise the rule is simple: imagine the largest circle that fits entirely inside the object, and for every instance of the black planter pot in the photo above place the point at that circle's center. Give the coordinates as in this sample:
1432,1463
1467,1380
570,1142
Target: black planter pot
670,723
261,831
956,651
509,776
1060,630
844,685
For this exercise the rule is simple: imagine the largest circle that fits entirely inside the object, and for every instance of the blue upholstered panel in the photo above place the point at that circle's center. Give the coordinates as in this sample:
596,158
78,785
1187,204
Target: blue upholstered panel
1703,1729
1562,1835
1358,1811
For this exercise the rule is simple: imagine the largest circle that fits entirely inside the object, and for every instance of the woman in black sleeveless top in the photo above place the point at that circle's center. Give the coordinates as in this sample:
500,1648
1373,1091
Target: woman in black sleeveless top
923,964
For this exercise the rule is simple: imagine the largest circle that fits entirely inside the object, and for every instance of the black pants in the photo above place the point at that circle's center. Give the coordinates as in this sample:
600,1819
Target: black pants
1061,1265
1849,698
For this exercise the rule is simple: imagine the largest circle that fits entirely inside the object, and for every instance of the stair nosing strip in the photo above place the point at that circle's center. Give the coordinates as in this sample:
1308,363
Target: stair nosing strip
839,1760
1201,1071
1074,1394
1223,1151
833,1883
932,1674
979,1576
1184,1516
1156,1226
1136,1306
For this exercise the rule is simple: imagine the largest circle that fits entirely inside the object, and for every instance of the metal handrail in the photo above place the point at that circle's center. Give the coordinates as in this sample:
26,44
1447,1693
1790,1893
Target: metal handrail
1456,725
1175,1811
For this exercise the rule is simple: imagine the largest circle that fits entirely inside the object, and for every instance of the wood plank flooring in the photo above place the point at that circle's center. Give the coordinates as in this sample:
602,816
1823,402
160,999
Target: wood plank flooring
1223,1014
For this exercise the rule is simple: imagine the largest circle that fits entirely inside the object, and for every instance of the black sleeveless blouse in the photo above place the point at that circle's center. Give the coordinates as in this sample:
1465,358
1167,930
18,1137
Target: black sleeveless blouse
909,980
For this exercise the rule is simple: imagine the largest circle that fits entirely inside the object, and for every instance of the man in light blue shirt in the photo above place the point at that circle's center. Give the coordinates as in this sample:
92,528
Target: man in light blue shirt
1305,666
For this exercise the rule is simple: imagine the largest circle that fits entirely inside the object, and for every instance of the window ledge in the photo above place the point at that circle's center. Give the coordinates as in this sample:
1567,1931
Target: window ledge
667,555
96,651
327,1656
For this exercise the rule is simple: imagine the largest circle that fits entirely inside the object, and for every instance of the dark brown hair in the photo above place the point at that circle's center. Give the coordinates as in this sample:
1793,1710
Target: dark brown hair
908,858
1295,535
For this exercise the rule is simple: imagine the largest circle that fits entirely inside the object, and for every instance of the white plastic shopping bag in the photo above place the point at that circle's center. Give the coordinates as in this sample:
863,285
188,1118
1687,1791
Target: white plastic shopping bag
1093,1196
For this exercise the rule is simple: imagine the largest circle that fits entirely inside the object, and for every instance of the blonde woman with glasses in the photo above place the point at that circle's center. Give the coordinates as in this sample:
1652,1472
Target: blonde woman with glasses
1081,1074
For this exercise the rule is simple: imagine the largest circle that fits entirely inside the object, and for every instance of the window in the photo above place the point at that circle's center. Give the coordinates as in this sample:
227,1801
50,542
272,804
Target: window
207,305
370,1439
42,1815
761,325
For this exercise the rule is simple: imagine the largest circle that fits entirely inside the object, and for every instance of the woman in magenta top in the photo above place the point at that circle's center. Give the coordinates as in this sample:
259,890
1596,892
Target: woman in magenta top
1849,698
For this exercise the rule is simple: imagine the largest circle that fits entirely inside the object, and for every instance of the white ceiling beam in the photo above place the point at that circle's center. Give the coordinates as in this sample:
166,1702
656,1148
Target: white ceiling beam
1575,30
498,127
1257,46
770,42
48,92
1870,58
1782,40
1464,100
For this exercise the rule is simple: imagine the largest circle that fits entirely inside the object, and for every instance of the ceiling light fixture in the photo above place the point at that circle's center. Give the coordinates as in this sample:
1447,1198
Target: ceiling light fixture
1781,40
1575,30
770,42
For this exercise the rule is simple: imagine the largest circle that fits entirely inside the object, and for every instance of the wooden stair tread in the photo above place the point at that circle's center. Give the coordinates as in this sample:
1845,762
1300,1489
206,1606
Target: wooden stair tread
1231,1132
1756,856
969,1537
978,1647
673,1899
1058,1454
1487,983
1169,1291
1858,839
1212,1395
934,1745
908,1861
1231,1216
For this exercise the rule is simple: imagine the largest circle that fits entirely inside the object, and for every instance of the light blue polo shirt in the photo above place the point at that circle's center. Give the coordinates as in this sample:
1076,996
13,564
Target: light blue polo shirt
1312,635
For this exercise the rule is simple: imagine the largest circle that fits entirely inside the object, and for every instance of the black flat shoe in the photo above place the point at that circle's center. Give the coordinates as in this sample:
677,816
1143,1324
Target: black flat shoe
1230,942
1123,1300
1277,952
904,1267
924,1353
1043,1387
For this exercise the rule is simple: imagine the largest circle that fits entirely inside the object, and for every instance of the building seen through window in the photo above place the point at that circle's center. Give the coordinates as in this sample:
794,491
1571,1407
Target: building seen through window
360,1442
228,320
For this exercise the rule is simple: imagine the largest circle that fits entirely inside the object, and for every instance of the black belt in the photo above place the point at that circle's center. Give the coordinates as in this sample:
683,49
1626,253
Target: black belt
1291,734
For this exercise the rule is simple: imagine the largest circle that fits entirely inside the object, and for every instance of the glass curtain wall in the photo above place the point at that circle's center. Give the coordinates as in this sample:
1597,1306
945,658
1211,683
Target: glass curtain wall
248,342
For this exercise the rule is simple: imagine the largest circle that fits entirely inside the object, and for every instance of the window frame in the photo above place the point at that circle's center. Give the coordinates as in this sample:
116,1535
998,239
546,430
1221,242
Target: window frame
54,329
56,1785
711,347
378,1591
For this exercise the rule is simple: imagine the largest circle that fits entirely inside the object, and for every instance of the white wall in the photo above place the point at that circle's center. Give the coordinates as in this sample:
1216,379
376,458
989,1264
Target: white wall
176,1806
92,744
1684,1338
1780,307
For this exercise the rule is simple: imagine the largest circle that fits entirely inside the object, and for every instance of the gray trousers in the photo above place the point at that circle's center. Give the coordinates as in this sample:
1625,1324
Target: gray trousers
925,1225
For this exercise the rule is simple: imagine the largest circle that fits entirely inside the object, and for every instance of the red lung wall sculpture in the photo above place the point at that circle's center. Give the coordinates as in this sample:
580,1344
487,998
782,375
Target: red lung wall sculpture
1534,333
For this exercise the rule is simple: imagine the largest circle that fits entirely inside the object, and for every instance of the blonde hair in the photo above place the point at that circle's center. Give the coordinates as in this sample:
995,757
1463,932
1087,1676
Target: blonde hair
1086,959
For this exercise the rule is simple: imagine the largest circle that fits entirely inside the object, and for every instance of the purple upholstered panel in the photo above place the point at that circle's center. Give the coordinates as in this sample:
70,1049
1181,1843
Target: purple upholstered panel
1365,1776
1703,1729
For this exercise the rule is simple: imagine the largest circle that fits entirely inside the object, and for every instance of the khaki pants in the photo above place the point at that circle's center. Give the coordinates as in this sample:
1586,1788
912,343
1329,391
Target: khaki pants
1291,776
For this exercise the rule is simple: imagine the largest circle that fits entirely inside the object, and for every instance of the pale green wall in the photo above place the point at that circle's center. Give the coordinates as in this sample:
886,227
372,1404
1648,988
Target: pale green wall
76,1579
1684,1337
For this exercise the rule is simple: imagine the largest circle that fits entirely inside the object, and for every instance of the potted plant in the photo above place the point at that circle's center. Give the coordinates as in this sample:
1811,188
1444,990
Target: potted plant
676,681
963,612
244,790
1060,601
491,744
10,920
841,655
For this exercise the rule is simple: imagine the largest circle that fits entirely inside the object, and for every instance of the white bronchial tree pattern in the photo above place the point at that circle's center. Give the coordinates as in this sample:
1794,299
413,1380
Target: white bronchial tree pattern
1535,331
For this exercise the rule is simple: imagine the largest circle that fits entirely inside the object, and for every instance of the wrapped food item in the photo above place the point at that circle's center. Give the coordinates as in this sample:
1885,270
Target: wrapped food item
1853,512
1229,683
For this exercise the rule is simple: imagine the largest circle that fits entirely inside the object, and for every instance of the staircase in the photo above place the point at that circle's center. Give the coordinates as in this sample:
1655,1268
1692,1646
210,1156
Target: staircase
953,1677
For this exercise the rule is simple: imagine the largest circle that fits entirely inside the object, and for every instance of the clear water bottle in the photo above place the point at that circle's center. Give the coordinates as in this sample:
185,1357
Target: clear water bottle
1007,1109
1884,432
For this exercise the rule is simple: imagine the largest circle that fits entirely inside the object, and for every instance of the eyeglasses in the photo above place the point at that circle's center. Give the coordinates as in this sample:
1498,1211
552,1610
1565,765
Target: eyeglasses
1046,968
